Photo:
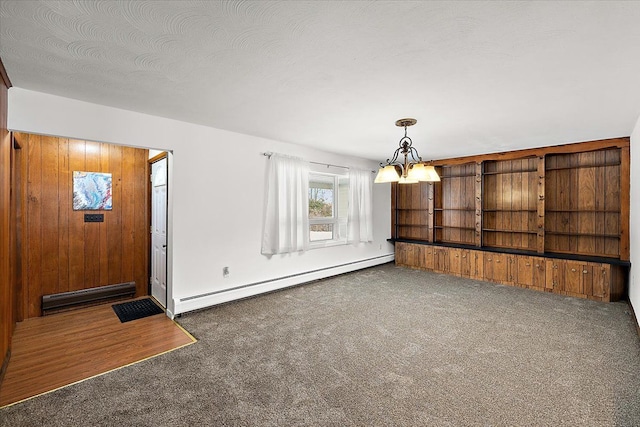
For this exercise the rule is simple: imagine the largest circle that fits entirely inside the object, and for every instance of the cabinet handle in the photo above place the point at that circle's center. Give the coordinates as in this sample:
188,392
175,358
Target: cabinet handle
489,259
555,266
573,269
464,256
584,271
537,265
498,260
527,264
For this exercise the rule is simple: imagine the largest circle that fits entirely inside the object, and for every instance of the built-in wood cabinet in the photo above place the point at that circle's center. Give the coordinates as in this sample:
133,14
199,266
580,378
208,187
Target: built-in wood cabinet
455,208
582,203
583,279
510,206
552,218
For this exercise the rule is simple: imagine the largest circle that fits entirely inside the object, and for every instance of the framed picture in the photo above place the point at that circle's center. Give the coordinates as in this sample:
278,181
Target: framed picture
91,191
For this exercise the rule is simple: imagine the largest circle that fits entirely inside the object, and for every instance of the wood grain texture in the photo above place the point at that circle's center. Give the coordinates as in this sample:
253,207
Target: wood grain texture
576,147
584,203
540,205
625,201
53,351
61,251
573,202
7,279
582,279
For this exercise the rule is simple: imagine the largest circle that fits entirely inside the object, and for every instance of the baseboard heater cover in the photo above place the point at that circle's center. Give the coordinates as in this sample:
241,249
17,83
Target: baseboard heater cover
197,302
84,296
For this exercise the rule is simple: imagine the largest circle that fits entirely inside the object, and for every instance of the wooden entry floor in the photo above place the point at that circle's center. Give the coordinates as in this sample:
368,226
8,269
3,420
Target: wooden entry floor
61,349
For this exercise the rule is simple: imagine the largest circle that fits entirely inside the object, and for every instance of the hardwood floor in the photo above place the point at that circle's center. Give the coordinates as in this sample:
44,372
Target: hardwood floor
54,351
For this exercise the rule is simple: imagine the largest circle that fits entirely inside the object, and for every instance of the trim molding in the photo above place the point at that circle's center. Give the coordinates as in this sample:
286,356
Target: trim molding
4,75
157,157
196,302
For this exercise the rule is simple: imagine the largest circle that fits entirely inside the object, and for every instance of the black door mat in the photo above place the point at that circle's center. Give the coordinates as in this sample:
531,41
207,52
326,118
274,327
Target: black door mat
137,309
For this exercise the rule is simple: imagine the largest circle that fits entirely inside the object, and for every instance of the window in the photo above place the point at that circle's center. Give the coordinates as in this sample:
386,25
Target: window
328,208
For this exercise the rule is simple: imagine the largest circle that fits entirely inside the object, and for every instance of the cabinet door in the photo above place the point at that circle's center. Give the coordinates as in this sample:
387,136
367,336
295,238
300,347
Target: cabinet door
587,278
477,265
601,281
495,267
501,270
488,266
454,261
441,260
465,263
538,279
554,274
428,258
418,256
525,270
573,281
401,253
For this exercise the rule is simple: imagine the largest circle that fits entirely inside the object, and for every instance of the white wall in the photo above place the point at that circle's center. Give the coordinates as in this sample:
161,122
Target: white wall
634,232
217,196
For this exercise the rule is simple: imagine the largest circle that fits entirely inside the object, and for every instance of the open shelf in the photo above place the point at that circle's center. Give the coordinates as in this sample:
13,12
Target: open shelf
582,211
509,210
578,234
602,165
443,227
496,230
511,172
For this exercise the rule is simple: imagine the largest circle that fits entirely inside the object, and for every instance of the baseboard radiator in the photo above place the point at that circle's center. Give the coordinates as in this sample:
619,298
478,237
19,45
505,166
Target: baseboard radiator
209,299
71,299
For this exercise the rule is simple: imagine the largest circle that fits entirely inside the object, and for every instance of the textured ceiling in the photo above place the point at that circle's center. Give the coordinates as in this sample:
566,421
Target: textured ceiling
478,76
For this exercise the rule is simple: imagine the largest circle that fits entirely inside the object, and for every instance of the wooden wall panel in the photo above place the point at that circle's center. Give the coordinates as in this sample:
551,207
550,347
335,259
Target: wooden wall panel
64,207
76,223
7,271
62,252
48,210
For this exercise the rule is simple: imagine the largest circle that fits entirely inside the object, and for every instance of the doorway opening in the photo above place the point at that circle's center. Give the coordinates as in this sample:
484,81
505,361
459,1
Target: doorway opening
158,211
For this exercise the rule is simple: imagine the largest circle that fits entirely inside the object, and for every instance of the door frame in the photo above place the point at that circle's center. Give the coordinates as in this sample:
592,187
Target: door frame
169,305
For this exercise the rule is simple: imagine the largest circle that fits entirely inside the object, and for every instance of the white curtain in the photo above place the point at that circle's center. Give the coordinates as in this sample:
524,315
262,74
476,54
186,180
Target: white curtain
286,216
360,217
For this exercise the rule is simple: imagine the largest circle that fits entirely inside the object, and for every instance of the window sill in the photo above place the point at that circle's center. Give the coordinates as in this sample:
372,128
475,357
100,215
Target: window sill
327,244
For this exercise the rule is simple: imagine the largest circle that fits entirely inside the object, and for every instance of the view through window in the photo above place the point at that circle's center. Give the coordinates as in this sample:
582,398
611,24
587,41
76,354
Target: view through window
328,198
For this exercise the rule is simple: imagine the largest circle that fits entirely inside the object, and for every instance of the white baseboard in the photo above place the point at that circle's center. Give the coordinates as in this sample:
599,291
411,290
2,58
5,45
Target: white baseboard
184,305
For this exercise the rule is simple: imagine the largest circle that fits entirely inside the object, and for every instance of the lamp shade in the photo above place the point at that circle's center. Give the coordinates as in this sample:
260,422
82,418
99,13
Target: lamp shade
407,180
423,172
387,174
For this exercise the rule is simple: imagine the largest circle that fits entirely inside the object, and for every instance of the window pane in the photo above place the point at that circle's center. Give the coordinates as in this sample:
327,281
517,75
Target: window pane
321,232
321,196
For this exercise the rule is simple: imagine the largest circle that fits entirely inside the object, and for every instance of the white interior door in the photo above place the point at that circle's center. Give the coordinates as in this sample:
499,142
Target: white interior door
159,231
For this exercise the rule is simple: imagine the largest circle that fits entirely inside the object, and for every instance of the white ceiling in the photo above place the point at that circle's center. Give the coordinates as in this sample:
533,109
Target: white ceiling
478,76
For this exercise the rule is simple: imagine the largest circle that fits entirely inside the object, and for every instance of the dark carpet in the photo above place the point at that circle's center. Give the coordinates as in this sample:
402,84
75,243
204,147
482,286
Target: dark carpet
385,346
137,309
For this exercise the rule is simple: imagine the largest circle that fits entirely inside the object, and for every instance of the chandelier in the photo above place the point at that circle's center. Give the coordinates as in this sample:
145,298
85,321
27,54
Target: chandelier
412,170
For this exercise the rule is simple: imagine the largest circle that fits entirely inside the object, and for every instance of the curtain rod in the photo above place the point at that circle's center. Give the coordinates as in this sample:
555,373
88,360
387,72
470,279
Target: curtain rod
269,154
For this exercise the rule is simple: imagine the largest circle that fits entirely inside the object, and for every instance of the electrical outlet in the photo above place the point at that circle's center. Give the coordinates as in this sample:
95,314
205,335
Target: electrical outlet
225,271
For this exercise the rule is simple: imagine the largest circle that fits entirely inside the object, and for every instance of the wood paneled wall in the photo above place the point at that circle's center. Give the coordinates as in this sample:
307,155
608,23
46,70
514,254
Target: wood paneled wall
60,251
7,285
